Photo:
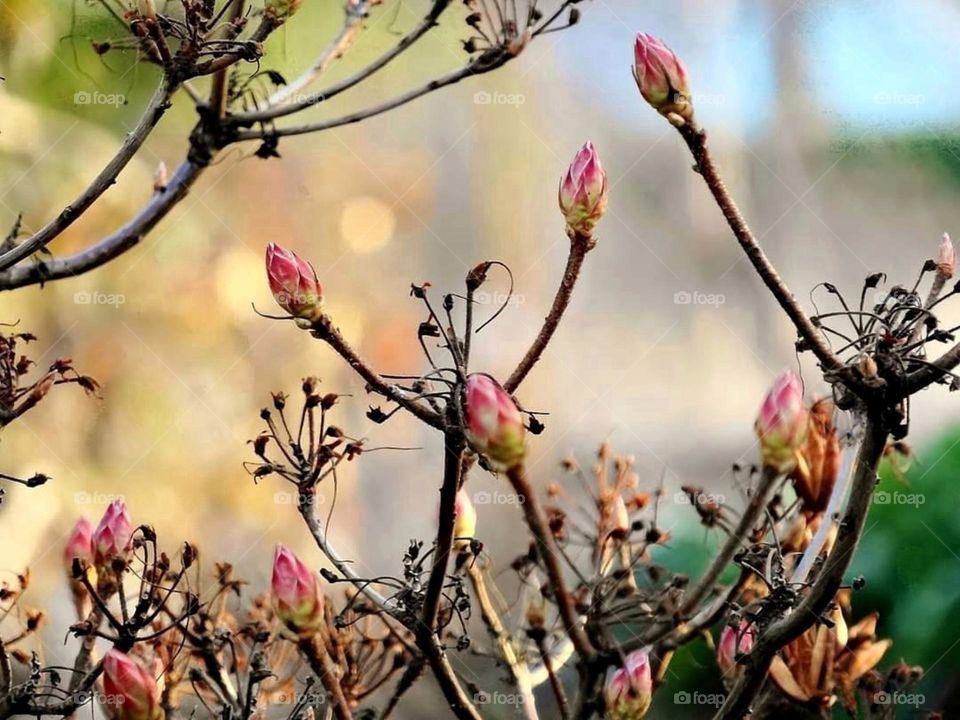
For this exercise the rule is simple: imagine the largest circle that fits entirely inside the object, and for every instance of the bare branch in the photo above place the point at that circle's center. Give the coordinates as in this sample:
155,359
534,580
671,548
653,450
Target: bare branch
134,141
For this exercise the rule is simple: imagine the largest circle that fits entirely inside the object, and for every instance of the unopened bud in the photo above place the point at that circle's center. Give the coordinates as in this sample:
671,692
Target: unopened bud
946,257
494,423
661,78
297,598
583,191
294,283
629,690
734,642
782,422
465,525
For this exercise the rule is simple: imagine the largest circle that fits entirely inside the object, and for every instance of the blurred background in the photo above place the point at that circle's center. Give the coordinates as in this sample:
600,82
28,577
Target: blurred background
835,125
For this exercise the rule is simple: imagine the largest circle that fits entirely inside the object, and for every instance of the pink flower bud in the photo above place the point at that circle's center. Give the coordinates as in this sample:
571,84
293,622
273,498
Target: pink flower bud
465,526
79,544
946,257
297,598
111,539
583,191
730,648
782,423
130,692
494,424
629,690
661,77
294,283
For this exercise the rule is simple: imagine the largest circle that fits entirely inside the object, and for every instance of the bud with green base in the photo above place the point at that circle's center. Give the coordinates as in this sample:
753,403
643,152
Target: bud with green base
130,691
297,599
662,79
583,192
629,690
781,425
494,424
294,283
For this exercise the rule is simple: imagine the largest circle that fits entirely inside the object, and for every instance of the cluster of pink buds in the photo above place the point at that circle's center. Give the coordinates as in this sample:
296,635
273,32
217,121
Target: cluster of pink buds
583,192
294,283
734,642
494,424
111,539
129,690
629,690
465,525
662,79
297,598
782,423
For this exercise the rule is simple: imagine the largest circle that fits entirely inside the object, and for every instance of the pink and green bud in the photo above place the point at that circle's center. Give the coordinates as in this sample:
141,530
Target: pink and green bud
111,539
661,77
79,544
734,642
782,423
494,423
297,598
946,257
583,191
629,690
465,524
130,691
294,283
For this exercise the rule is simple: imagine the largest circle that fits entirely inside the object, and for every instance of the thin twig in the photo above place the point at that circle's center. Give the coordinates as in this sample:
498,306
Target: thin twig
537,523
579,247
696,139
105,179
